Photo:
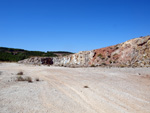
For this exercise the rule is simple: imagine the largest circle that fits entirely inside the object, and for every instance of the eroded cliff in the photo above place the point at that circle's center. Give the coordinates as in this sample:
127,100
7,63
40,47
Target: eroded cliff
135,53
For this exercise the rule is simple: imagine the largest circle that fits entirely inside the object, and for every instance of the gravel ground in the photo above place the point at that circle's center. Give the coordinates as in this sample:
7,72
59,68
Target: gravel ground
74,90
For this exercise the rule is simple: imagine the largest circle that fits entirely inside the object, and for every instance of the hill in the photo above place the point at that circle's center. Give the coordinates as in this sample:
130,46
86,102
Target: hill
13,54
132,53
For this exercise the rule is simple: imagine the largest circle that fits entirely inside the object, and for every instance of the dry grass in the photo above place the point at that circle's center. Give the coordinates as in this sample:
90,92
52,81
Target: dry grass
20,73
29,79
21,78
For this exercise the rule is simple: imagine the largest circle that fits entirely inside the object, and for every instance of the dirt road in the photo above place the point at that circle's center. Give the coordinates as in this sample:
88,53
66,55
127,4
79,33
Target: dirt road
74,90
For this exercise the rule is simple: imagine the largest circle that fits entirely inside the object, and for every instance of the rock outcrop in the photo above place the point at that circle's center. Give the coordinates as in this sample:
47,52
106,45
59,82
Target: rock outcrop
82,58
38,61
135,53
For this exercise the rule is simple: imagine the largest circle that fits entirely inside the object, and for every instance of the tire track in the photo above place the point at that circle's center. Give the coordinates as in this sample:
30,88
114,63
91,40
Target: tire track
70,96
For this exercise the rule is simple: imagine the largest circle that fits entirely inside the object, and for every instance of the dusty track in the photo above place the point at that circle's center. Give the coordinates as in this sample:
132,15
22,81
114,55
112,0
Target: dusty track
61,90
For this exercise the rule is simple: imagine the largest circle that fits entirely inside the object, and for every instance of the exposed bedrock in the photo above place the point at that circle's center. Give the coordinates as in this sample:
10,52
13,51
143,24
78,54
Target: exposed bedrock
37,61
135,53
82,58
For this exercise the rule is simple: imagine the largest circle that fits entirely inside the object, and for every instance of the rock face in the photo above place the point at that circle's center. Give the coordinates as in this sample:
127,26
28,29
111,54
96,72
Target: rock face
135,53
82,58
38,61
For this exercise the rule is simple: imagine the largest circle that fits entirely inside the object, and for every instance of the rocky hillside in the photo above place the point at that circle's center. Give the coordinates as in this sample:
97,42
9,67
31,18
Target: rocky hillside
135,53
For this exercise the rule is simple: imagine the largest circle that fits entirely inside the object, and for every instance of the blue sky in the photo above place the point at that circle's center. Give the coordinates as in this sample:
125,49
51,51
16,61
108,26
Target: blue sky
71,25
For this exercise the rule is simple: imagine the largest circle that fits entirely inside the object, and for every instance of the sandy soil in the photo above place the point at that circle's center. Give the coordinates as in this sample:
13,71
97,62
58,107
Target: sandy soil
62,90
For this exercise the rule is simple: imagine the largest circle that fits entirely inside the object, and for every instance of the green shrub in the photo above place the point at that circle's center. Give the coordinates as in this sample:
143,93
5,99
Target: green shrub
101,56
110,61
104,64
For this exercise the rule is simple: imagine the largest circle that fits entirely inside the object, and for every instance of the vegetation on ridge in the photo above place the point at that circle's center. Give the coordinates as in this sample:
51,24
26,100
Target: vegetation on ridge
11,54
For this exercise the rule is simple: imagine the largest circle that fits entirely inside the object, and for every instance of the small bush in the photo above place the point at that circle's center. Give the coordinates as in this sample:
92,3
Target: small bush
101,56
92,65
104,64
20,73
86,87
122,66
37,79
20,78
29,79
110,61
116,47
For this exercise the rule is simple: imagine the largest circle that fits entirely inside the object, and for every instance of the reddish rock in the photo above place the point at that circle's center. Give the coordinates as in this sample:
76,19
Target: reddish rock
135,53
